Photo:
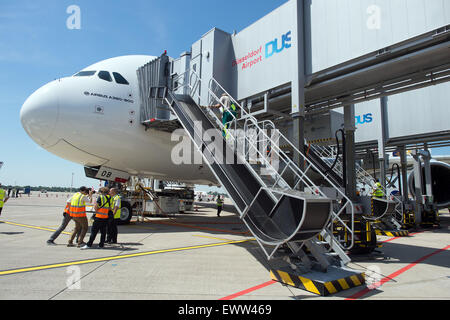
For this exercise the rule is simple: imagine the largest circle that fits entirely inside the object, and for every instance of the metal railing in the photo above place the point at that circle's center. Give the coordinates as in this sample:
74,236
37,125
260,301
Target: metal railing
329,154
277,169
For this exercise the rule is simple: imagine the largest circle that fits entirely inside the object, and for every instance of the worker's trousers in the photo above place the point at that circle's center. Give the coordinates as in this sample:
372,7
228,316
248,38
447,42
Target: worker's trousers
62,227
112,230
98,225
81,228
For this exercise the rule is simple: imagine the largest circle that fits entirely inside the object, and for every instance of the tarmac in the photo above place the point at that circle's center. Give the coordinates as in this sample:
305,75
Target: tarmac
193,256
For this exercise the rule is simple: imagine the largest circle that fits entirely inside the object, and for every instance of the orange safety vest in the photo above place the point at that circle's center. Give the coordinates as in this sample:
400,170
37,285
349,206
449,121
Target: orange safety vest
105,206
77,209
67,208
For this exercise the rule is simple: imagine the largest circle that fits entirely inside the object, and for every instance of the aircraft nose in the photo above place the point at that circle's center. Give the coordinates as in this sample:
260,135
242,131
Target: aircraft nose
39,114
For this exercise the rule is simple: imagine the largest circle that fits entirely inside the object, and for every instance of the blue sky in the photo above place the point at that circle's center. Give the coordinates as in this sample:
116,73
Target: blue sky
36,47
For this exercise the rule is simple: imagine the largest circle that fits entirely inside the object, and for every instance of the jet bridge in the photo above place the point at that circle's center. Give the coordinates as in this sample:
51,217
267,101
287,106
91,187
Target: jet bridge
297,198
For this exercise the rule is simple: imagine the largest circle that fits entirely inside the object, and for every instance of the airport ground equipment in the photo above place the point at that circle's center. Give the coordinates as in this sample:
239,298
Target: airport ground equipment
276,199
385,215
170,198
426,210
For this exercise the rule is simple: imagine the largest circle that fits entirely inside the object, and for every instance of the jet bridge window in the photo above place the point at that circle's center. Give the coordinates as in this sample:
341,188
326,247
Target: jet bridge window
85,73
120,79
104,75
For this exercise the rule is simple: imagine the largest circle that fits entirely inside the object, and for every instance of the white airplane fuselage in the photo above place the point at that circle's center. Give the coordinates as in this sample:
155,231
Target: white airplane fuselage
96,122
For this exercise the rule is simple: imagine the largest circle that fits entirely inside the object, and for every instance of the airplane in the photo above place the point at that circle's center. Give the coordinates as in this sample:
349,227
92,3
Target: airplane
92,118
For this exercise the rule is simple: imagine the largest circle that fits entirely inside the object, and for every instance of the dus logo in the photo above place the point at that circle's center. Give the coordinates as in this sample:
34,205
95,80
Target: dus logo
272,46
367,118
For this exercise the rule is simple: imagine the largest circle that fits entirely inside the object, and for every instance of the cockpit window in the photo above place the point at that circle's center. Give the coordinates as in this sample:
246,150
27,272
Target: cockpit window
85,73
104,75
119,78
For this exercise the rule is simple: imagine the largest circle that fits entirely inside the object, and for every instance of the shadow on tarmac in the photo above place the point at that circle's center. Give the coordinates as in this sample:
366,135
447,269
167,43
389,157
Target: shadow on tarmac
11,233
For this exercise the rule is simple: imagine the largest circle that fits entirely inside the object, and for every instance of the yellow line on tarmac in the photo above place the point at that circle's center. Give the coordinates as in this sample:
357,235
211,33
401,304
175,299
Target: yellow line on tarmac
82,262
33,227
222,239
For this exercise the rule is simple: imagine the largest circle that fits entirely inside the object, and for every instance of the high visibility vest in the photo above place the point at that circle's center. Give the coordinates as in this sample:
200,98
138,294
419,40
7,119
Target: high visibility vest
105,206
117,203
219,203
67,208
2,197
77,206
227,123
378,193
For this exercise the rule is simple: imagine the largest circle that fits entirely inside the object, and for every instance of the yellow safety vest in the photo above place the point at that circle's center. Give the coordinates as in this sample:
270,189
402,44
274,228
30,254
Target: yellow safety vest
378,191
105,206
115,201
77,206
226,133
2,197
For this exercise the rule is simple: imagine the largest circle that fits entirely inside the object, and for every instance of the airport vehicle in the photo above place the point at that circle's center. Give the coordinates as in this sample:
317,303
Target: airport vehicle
204,197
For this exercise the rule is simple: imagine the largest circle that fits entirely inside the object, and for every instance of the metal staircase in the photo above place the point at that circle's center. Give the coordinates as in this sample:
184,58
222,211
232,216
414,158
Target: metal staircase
392,217
276,199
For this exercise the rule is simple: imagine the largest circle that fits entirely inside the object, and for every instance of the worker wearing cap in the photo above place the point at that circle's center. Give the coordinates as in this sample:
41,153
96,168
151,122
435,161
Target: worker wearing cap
3,198
102,210
78,214
378,190
115,217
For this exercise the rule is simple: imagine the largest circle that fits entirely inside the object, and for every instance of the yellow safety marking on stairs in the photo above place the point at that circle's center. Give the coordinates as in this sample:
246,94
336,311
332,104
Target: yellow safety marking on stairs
309,285
286,278
343,284
33,227
127,256
331,289
272,275
355,280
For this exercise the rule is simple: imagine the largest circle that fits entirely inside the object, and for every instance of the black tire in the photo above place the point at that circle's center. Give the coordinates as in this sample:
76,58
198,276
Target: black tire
126,214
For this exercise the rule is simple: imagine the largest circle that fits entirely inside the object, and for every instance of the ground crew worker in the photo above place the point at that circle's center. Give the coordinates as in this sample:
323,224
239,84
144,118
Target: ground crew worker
3,198
66,217
378,190
219,205
113,221
229,113
78,214
102,208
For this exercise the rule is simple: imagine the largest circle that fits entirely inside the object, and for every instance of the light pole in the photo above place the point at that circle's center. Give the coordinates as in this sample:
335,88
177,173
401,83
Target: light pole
71,185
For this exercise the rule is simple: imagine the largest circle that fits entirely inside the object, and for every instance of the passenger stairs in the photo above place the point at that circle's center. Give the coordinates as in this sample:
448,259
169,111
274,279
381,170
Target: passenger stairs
386,211
281,206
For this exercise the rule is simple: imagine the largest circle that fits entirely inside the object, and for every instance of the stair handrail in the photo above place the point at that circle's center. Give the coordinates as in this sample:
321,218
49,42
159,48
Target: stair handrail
363,177
194,85
348,202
